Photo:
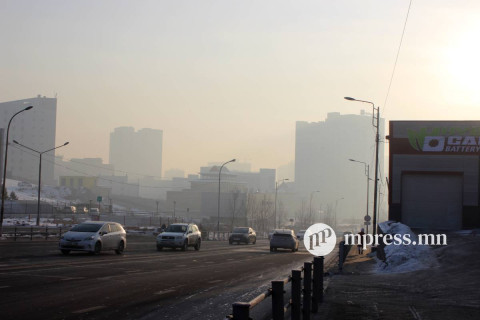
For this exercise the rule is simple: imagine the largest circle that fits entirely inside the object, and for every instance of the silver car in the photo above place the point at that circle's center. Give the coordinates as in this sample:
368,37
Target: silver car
285,239
94,236
180,235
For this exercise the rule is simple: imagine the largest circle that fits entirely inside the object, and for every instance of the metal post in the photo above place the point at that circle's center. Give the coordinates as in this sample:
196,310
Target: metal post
277,300
317,283
46,232
375,197
307,289
15,234
241,311
31,233
341,255
296,294
39,186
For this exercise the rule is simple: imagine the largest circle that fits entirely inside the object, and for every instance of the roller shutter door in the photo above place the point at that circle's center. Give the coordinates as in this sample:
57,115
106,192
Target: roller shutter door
432,201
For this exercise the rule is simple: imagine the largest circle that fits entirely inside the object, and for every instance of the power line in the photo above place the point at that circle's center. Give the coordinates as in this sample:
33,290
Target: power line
396,59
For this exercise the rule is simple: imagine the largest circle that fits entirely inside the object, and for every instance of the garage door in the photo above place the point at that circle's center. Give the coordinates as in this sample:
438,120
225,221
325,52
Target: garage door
432,201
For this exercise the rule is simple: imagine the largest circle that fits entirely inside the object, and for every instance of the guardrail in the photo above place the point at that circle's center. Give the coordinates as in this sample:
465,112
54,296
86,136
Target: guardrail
31,232
304,300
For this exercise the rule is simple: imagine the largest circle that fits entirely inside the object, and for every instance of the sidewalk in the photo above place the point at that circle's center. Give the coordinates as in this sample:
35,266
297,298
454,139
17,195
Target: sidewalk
450,291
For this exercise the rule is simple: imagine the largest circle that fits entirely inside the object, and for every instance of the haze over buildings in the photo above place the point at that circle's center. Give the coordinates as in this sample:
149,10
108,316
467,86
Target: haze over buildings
322,153
137,154
36,129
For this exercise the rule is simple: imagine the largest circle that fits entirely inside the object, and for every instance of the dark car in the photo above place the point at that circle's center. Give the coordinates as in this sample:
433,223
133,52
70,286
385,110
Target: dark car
284,239
243,234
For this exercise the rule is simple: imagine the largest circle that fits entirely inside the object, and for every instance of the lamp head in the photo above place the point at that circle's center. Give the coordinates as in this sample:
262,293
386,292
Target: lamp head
66,143
349,98
29,107
15,141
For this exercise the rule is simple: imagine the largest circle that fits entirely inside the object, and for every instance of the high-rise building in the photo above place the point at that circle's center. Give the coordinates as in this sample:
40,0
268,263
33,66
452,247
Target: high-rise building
322,153
35,129
137,153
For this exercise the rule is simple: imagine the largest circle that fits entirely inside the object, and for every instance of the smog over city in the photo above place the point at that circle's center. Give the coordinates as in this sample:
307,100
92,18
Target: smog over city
168,159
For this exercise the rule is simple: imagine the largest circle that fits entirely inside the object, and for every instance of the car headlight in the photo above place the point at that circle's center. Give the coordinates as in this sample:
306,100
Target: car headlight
89,238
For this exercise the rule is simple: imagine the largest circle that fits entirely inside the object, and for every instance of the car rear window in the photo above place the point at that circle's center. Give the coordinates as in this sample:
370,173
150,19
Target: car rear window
282,235
240,230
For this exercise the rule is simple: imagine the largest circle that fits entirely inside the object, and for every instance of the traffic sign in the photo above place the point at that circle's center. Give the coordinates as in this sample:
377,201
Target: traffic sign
99,199
367,218
367,223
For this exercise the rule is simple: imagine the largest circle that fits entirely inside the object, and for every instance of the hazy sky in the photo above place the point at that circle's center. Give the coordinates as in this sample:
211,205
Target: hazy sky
228,79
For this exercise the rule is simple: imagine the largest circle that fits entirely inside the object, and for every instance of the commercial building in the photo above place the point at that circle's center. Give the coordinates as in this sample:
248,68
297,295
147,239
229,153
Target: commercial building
322,153
136,153
434,174
82,167
34,128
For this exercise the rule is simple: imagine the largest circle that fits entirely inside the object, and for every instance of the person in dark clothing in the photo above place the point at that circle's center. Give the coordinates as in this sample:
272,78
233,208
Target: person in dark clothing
360,245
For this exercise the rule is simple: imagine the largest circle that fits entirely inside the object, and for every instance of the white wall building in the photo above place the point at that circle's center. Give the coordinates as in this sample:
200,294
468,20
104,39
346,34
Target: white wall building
34,128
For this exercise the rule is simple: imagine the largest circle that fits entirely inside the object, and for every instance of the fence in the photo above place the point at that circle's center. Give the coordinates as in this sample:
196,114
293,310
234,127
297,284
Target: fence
30,232
304,300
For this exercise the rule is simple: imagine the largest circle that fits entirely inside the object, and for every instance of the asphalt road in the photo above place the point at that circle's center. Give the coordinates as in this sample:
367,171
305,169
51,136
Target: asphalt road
37,282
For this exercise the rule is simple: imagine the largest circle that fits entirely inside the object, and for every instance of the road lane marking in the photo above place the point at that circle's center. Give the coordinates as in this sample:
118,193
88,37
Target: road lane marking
73,278
4,287
215,281
89,309
159,293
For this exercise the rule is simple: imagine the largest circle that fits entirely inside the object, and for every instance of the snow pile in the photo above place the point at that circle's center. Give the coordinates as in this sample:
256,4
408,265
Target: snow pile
404,258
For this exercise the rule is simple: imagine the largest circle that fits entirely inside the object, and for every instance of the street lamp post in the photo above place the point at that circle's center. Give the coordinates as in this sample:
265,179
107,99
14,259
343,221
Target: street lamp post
174,204
336,203
367,173
311,197
39,172
377,139
275,205
5,168
218,207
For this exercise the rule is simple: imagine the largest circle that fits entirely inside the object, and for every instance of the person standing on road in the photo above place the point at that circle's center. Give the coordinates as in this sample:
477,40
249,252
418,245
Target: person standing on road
360,245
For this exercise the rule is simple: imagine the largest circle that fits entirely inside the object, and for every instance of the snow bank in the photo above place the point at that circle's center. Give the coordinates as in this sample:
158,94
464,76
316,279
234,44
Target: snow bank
405,258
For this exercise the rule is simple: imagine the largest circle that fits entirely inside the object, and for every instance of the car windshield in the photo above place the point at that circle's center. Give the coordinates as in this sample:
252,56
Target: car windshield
240,230
176,228
86,227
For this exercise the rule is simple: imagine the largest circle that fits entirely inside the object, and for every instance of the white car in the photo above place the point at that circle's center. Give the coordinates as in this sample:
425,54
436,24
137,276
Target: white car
94,236
180,235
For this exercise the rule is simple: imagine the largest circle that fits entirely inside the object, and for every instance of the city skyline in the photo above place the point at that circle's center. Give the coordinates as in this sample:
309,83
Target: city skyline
230,80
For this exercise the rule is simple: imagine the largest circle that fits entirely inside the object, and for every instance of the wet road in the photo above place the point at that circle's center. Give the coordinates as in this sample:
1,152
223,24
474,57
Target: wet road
37,282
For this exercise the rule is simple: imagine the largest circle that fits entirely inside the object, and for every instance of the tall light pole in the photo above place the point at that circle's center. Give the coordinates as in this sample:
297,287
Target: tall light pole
5,168
218,207
377,139
39,173
275,205
174,204
367,173
311,197
336,203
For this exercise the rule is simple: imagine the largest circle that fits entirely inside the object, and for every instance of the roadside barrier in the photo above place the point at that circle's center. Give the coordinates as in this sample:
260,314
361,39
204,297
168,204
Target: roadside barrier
312,290
307,287
25,232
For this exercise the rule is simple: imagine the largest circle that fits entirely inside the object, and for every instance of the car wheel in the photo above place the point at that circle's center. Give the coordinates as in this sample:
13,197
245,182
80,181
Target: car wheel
230,242
185,245
159,248
254,240
65,252
271,249
98,247
198,244
121,247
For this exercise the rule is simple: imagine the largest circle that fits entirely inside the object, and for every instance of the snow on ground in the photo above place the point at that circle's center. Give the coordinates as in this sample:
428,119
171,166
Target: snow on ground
27,191
405,258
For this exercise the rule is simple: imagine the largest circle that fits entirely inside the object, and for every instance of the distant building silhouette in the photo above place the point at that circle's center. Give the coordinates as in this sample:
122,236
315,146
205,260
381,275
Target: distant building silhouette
137,153
322,153
35,129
